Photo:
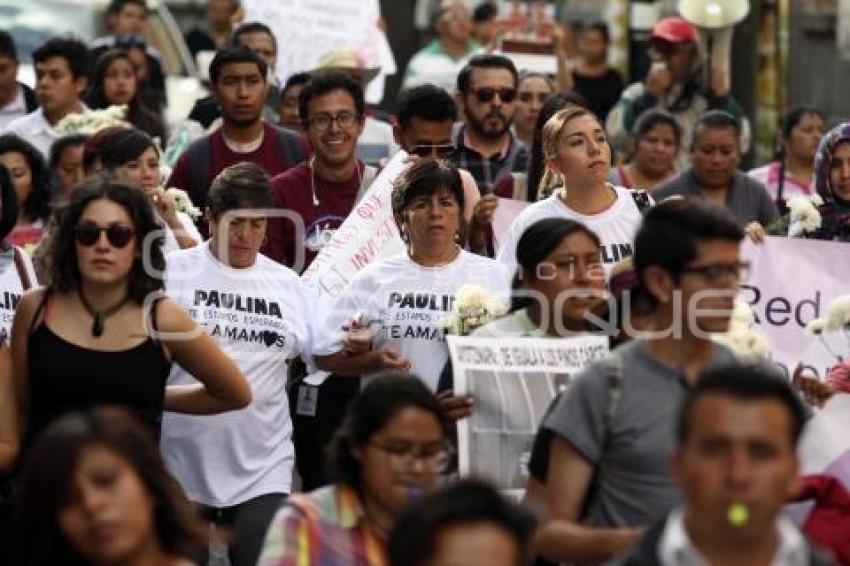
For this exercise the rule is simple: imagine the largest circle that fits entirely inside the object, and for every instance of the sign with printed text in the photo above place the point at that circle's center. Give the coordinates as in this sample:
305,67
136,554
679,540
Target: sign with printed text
513,381
792,282
369,233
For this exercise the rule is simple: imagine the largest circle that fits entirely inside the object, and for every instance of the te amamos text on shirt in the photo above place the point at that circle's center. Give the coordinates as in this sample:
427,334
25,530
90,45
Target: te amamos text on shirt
487,357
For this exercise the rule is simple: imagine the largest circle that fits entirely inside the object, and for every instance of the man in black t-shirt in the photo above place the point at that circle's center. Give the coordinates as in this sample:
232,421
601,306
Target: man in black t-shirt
592,78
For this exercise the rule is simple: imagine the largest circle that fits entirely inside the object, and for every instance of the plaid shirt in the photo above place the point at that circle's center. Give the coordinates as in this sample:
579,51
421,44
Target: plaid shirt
487,170
326,527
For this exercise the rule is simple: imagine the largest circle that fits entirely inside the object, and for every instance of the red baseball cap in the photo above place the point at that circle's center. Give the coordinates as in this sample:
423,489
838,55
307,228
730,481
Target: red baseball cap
674,30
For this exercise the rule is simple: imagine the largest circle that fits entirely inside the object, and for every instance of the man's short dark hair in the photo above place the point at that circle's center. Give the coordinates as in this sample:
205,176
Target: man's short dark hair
715,120
298,79
323,82
744,382
232,55
670,231
72,50
415,537
484,12
464,78
252,27
115,6
240,186
7,45
426,102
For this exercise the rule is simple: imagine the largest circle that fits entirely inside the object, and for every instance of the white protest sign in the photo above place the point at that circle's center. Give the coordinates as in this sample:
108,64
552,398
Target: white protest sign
513,381
307,29
367,234
792,282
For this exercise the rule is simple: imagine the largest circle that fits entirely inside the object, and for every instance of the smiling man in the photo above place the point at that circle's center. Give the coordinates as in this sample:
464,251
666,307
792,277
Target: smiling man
323,190
238,79
61,74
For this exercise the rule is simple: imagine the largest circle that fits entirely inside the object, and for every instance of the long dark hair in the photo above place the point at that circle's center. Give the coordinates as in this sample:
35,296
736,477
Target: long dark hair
536,243
37,204
382,399
537,158
138,113
46,486
61,255
8,203
125,145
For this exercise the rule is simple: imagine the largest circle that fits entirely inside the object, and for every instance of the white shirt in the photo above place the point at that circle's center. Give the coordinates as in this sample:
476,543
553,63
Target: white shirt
17,108
11,289
407,303
169,242
676,549
258,316
376,142
35,128
615,226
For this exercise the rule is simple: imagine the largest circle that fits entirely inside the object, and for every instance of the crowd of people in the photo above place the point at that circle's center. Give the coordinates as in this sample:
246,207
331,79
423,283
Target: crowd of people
183,428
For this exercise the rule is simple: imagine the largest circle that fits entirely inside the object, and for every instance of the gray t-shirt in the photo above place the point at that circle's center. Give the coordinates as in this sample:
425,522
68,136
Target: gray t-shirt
631,450
747,199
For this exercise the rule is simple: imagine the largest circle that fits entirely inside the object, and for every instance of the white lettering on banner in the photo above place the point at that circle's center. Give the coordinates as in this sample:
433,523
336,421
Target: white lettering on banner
513,381
792,282
368,233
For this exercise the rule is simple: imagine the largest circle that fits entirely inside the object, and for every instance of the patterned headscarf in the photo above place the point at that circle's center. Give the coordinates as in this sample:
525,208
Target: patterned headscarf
823,159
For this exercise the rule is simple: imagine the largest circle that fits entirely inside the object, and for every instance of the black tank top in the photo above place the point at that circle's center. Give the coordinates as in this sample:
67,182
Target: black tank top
64,377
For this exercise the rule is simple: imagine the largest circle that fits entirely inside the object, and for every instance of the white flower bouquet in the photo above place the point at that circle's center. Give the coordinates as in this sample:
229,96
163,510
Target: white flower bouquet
746,342
183,203
91,121
474,306
804,217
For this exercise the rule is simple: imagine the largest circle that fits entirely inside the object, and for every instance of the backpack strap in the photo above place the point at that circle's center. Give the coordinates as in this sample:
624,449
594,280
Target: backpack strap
199,157
642,200
21,268
290,146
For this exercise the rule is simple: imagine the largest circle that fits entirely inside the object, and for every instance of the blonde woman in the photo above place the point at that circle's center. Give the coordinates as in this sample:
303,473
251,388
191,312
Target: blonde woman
578,161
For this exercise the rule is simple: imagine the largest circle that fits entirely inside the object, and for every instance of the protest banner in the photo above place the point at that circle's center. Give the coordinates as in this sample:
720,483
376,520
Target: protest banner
369,233
792,282
307,29
513,381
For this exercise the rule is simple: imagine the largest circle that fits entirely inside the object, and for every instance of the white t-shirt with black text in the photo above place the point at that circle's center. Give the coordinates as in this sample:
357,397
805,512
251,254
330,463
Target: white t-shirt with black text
615,226
258,315
11,289
407,304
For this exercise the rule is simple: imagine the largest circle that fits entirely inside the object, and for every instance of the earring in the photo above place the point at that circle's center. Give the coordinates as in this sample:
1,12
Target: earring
457,236
404,236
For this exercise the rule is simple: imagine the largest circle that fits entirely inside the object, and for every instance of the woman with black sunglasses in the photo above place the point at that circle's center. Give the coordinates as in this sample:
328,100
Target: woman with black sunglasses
102,332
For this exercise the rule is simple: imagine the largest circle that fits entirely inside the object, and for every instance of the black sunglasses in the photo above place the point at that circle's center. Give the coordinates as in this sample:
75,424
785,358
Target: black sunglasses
441,151
487,94
88,233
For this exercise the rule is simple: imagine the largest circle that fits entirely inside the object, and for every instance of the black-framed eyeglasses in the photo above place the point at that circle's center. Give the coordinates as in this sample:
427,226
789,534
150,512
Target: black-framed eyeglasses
435,456
486,94
343,119
118,235
436,150
717,272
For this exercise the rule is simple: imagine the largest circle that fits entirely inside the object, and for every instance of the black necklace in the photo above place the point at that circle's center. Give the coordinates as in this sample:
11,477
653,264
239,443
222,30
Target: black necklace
99,316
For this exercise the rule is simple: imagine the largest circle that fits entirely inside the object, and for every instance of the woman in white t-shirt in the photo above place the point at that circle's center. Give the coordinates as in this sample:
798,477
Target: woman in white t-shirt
395,307
578,153
237,466
134,154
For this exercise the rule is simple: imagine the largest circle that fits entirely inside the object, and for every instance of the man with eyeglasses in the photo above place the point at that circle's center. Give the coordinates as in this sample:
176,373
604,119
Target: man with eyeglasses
614,426
714,176
238,79
323,190
424,121
487,88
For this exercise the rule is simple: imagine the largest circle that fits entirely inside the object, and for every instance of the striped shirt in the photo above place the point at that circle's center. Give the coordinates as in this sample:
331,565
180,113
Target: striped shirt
327,527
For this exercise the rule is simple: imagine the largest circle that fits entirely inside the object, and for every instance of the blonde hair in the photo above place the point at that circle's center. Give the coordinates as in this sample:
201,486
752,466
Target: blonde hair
552,131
